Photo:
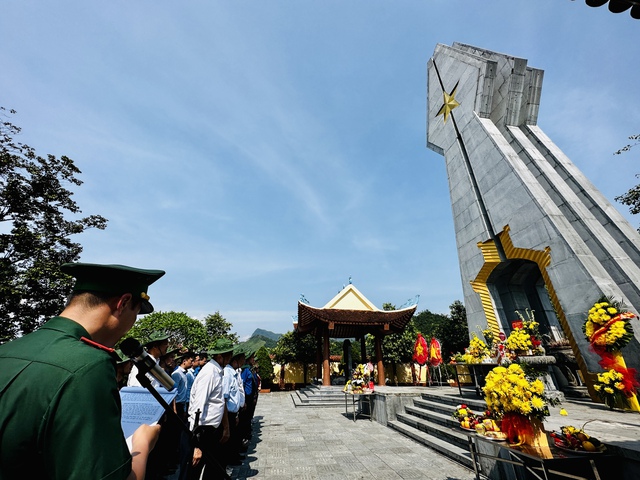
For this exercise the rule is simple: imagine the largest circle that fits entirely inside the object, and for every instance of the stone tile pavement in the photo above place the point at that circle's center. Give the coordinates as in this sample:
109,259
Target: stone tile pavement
323,443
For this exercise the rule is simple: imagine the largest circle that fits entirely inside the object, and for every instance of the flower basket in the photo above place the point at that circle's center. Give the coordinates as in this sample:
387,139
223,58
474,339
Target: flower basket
520,404
608,329
359,380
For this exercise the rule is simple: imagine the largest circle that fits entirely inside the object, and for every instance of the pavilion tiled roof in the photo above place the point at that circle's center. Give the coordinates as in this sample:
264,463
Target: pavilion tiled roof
342,323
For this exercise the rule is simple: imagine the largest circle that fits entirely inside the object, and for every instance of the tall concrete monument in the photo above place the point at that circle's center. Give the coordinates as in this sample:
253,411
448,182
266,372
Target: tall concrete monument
531,230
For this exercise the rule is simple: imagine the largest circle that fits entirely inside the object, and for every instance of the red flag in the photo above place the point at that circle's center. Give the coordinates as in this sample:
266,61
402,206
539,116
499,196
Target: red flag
420,351
435,355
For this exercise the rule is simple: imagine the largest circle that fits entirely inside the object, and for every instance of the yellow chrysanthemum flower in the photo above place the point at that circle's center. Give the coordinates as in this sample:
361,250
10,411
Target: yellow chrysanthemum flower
538,403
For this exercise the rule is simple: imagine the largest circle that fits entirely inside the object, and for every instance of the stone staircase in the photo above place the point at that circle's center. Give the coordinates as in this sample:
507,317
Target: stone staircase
318,396
429,422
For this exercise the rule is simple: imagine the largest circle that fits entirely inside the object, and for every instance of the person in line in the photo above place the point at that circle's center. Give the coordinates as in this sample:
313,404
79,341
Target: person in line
208,415
156,347
182,452
203,358
60,406
179,376
168,361
251,390
123,368
190,379
160,463
194,364
233,392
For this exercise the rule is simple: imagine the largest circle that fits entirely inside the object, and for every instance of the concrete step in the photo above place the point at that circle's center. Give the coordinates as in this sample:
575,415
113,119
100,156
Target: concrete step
322,397
316,403
453,452
451,434
444,419
432,403
452,399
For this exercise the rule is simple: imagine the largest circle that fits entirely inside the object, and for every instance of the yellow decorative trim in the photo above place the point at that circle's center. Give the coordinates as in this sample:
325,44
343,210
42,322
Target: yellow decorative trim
543,259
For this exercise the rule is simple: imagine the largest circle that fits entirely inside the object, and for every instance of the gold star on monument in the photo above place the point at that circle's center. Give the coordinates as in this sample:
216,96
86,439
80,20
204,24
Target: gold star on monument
449,103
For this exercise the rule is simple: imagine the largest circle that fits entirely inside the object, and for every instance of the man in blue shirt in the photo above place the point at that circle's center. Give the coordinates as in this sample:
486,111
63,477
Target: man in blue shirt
251,390
181,379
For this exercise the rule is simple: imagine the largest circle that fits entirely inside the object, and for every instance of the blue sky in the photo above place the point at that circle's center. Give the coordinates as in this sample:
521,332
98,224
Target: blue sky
259,150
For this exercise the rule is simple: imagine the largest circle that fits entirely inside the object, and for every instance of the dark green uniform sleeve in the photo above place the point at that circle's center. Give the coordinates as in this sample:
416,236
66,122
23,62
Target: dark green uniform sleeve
82,436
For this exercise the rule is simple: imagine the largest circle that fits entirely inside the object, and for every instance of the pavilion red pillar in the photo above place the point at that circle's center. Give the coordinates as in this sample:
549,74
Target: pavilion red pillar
319,358
381,375
326,367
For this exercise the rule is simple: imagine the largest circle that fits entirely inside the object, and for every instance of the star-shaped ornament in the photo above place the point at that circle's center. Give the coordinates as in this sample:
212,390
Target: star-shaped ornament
449,103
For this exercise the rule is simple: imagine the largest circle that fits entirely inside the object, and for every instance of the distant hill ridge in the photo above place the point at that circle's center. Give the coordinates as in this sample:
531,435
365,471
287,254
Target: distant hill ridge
262,338
259,332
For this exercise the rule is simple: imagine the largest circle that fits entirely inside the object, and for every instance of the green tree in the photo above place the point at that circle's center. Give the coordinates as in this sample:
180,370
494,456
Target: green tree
183,330
430,324
632,198
397,347
454,336
265,367
35,210
336,347
295,347
218,327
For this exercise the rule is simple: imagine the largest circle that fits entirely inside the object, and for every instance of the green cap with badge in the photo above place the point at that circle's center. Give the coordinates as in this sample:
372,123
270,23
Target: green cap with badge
116,279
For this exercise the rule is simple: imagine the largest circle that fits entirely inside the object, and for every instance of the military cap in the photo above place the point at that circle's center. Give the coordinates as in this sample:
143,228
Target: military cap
222,345
122,358
92,277
188,354
157,337
239,350
170,353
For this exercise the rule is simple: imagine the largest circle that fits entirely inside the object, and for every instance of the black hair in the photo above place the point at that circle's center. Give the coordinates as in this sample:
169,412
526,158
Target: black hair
95,299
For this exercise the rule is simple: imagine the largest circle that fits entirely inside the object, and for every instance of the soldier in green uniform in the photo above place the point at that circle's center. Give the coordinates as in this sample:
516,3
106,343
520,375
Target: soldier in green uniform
59,401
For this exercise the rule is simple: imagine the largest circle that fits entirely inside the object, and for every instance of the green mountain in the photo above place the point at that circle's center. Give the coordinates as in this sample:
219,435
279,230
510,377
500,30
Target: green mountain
261,338
266,334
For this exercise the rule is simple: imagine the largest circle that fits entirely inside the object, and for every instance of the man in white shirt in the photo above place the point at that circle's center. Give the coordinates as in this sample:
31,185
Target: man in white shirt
233,392
156,347
207,402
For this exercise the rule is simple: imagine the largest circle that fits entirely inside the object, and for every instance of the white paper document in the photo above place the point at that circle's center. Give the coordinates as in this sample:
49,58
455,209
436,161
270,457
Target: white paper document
139,406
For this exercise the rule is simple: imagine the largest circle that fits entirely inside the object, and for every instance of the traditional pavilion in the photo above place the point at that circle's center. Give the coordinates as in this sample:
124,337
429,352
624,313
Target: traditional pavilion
351,315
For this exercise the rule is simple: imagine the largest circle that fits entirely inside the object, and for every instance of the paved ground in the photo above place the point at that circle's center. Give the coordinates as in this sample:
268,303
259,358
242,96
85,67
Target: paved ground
322,443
